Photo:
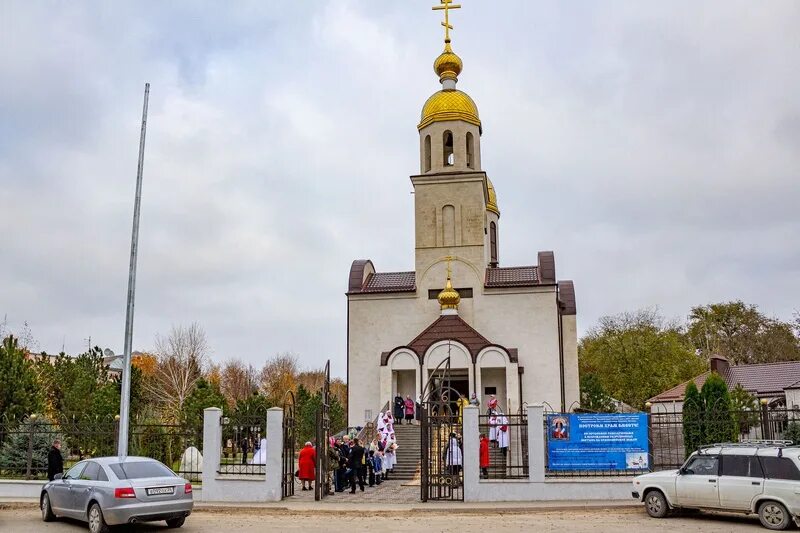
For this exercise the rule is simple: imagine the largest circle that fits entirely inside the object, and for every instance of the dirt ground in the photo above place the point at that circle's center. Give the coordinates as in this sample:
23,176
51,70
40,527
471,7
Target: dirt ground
594,521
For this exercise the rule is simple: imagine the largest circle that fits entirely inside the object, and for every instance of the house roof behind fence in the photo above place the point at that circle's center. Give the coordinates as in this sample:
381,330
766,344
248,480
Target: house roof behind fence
761,380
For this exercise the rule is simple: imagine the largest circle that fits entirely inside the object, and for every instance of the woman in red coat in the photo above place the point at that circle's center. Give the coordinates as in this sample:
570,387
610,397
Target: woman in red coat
484,456
307,465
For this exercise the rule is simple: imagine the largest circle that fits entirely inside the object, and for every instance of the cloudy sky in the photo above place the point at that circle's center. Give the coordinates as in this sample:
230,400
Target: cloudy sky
654,146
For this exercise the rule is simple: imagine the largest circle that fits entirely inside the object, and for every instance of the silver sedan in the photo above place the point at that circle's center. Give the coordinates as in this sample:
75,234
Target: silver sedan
107,491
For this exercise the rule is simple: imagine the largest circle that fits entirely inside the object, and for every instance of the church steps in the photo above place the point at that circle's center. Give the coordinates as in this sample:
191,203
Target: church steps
408,452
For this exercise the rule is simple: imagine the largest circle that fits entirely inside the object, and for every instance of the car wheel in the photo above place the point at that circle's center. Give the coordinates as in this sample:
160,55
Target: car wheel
773,515
47,511
656,504
97,523
176,522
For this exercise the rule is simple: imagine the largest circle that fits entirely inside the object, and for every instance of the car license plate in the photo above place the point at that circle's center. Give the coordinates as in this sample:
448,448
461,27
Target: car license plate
159,491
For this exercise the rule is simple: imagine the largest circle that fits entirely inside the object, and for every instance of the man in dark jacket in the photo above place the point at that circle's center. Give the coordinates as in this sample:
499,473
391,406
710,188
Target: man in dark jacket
355,464
245,448
55,462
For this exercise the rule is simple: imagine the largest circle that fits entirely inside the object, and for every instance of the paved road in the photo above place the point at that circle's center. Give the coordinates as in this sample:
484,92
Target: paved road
594,521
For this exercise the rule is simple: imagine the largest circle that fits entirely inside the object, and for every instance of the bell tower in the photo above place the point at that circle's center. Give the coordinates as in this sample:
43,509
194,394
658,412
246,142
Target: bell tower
456,210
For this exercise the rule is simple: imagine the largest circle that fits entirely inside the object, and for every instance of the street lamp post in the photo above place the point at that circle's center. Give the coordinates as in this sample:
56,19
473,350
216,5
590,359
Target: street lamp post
125,400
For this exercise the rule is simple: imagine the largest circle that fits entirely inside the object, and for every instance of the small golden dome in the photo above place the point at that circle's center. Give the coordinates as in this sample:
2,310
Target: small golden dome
491,205
449,105
449,297
448,65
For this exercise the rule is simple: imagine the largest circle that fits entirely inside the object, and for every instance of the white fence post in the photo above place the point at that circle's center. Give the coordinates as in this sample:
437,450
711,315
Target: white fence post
471,453
274,455
212,450
536,448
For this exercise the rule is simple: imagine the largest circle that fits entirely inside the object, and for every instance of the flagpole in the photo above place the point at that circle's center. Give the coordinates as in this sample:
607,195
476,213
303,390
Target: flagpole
125,400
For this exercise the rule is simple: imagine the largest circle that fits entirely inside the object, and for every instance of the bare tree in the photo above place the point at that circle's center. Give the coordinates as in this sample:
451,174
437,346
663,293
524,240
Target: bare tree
180,357
279,375
238,381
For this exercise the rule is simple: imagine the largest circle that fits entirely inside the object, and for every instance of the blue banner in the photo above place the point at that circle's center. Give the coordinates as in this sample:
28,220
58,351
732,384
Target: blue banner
597,442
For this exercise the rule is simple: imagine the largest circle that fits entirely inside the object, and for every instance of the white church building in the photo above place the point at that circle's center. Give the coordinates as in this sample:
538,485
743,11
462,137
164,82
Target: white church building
510,331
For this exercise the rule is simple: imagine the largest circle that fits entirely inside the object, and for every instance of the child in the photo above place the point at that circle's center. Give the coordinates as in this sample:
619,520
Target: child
484,456
378,465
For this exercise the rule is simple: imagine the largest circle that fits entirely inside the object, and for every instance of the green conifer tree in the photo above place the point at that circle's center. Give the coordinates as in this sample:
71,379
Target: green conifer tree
719,421
20,394
693,430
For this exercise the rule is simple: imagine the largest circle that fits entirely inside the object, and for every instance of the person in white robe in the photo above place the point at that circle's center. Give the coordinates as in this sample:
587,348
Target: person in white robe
260,457
491,411
502,431
389,456
453,456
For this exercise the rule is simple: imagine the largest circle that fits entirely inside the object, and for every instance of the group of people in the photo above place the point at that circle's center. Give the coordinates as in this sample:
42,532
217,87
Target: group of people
353,464
359,464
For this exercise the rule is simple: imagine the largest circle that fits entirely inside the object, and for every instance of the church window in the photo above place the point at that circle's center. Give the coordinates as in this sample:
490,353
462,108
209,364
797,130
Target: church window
449,225
447,144
470,150
488,391
464,292
493,243
427,153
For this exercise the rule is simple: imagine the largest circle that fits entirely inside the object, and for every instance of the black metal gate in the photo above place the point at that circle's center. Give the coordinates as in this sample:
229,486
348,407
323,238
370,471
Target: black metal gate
289,441
323,433
442,476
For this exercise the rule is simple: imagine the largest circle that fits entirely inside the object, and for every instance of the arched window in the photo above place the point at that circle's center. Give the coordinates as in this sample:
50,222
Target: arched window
427,153
449,225
493,244
470,151
447,145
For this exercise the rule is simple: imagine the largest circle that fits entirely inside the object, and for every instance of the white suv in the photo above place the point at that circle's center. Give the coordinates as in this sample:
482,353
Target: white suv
750,477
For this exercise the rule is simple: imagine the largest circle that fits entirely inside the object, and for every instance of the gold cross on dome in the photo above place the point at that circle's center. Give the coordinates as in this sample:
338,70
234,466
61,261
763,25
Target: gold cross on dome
449,271
446,5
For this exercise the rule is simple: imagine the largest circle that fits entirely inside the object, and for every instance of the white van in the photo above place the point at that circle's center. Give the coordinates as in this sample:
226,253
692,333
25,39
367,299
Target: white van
760,477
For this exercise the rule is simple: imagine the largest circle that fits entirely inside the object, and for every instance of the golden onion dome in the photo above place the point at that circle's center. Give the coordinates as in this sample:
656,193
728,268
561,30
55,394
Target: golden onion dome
448,65
491,205
449,104
449,297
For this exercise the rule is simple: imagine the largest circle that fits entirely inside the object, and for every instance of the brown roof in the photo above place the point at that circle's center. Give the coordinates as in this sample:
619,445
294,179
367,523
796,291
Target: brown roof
765,379
449,327
524,276
675,394
390,282
378,282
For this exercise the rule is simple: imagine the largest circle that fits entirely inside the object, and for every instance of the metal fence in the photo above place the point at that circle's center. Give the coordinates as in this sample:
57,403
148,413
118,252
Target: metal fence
671,437
243,445
669,430
508,446
25,444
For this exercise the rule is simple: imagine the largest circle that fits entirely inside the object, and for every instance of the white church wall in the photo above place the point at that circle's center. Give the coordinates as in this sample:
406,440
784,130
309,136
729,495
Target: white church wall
525,319
378,324
571,379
